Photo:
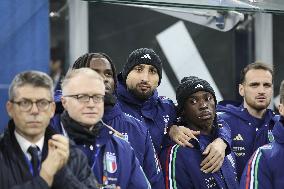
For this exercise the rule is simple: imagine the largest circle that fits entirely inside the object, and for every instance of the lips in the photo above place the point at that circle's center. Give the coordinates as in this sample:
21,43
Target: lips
205,115
107,88
144,87
261,98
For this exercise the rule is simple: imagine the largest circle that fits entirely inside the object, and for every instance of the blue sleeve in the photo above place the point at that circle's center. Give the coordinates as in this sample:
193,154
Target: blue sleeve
256,174
138,178
35,183
151,165
175,170
224,132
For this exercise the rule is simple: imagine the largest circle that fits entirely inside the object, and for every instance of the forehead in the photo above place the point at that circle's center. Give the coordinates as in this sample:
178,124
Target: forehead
200,94
258,75
85,84
100,63
31,92
147,66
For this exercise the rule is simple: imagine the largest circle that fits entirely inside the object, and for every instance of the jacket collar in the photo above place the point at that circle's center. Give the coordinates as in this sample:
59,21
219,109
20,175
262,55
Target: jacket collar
242,113
125,95
278,131
111,112
104,136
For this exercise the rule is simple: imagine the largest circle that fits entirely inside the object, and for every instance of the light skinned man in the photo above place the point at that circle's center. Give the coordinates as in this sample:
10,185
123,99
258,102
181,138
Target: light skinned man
111,158
251,122
32,155
264,169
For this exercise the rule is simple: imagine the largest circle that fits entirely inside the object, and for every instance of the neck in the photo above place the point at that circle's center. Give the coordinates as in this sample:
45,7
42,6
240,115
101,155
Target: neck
31,139
204,129
254,112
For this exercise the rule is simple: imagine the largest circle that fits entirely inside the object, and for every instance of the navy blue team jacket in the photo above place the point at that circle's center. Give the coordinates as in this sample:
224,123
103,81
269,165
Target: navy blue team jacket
248,133
181,167
140,139
156,113
265,168
112,159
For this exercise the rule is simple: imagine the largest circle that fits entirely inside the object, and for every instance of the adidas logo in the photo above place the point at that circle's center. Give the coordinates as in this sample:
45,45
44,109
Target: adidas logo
238,137
198,86
146,56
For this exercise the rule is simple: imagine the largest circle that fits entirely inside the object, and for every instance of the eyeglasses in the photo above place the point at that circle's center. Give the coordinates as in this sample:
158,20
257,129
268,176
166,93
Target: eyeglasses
86,98
26,104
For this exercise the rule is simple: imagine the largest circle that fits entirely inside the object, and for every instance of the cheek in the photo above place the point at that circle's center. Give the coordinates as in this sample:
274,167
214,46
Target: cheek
155,80
130,81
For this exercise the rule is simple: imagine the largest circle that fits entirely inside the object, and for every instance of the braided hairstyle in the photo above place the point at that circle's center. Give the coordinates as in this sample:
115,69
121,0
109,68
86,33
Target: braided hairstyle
84,62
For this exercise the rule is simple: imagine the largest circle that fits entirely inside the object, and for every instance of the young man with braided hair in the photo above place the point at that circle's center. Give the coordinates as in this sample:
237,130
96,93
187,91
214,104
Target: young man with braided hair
264,169
197,110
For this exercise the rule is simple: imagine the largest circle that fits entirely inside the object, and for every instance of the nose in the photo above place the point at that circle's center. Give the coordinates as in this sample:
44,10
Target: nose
91,102
34,109
144,76
261,89
203,105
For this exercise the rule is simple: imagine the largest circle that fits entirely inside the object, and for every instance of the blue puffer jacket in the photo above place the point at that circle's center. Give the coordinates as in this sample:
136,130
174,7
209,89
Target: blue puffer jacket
265,168
140,139
181,167
156,113
112,159
248,133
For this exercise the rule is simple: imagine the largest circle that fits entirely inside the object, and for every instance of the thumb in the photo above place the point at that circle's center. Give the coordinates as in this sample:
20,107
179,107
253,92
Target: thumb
195,132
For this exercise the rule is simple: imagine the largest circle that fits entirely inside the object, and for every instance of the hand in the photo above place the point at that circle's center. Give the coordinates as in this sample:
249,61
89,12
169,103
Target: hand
215,154
57,157
181,135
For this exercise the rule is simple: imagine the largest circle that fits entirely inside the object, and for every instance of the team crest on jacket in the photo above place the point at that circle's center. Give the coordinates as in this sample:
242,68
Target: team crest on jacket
111,164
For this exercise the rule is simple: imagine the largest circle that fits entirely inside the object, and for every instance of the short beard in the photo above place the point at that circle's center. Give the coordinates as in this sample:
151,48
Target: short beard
139,95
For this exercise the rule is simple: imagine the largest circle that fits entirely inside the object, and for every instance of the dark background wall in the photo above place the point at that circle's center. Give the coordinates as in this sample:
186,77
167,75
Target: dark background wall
117,30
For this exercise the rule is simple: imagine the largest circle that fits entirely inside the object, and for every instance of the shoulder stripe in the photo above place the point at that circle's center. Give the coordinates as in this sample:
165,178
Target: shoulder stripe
252,171
171,183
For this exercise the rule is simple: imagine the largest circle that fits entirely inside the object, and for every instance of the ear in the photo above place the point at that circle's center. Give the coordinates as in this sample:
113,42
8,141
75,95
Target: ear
52,109
64,102
241,89
281,109
9,108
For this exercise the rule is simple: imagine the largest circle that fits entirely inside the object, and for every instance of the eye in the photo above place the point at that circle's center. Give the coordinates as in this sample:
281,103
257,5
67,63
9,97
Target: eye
267,85
43,102
25,103
138,68
254,85
109,74
153,70
193,101
208,98
83,98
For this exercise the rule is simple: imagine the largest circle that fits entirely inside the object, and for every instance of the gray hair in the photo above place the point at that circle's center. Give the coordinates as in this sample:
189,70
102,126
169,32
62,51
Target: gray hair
81,71
33,78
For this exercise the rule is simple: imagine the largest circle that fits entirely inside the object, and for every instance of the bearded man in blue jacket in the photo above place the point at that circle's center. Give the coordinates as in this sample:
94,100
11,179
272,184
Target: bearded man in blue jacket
251,122
137,95
197,110
264,169
111,158
132,130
